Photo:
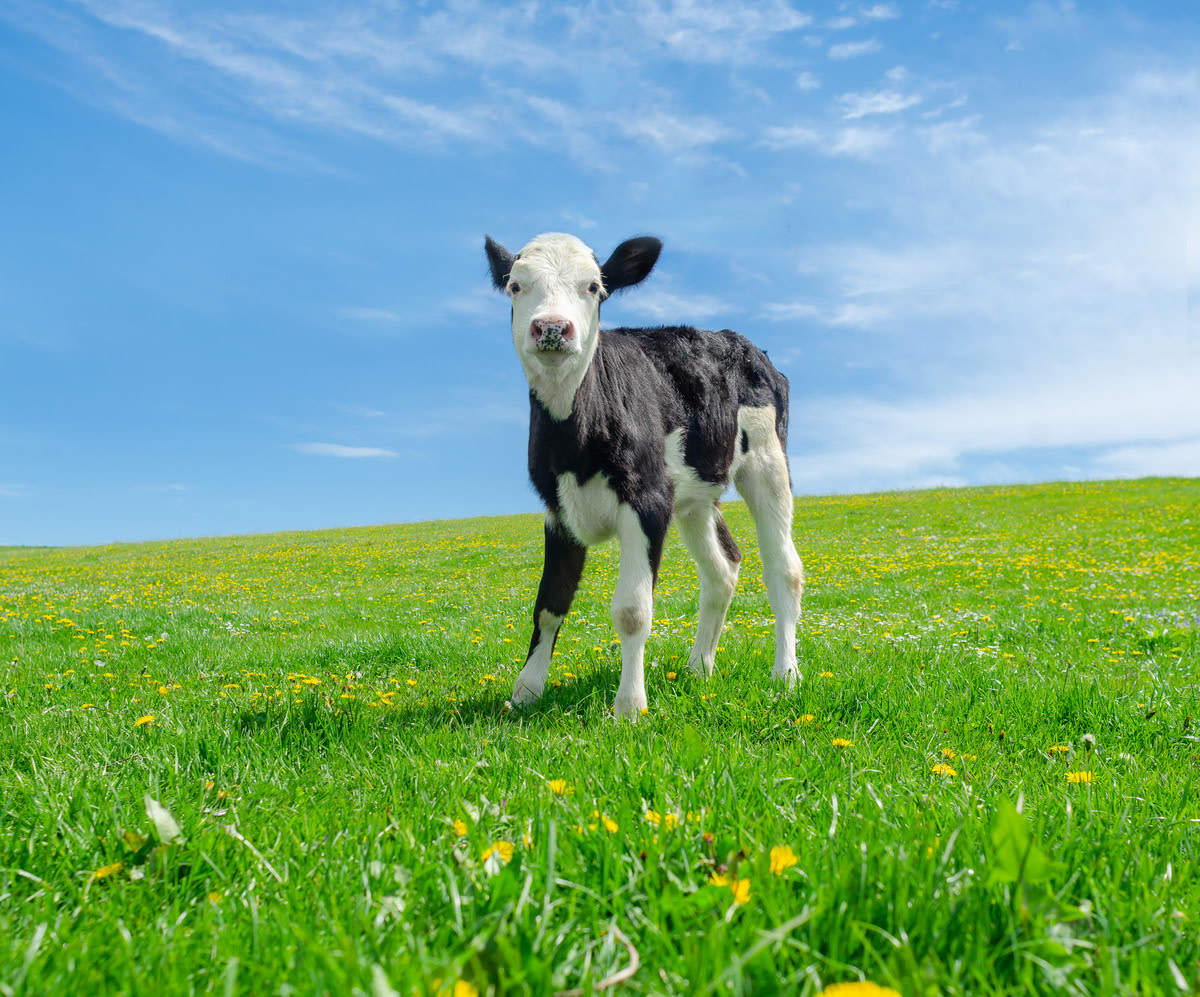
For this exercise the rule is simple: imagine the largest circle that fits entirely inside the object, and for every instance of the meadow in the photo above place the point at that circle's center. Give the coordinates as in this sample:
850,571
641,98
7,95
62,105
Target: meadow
284,764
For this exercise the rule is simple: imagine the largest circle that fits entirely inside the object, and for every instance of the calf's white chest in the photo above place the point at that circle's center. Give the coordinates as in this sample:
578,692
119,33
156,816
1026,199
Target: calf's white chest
590,509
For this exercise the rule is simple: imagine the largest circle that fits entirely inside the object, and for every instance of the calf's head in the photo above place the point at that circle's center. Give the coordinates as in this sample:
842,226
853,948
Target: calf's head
556,284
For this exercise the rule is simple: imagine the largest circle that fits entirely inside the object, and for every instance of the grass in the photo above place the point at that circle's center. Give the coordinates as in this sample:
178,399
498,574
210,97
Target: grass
331,797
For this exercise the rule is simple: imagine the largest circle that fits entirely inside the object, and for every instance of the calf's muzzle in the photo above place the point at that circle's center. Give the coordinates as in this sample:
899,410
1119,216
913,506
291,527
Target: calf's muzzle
551,333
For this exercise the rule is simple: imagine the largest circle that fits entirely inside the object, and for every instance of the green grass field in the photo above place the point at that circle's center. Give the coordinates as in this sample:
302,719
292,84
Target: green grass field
347,806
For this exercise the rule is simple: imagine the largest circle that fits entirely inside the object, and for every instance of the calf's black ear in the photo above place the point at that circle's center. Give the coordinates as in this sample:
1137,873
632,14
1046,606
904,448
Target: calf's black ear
500,260
630,263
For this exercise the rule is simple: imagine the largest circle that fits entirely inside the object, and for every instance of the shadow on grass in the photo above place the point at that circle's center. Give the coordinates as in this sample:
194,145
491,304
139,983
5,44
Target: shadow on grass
318,721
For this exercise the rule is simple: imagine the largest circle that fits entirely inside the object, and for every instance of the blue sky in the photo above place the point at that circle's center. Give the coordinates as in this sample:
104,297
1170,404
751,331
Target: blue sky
242,285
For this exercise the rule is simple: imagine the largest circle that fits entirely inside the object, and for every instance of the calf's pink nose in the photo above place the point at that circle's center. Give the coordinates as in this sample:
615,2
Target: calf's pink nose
552,326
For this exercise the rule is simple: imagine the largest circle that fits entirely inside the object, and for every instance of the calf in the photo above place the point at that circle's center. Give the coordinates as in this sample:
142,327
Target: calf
628,427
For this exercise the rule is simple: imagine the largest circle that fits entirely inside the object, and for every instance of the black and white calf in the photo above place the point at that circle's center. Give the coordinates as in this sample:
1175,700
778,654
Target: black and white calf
630,426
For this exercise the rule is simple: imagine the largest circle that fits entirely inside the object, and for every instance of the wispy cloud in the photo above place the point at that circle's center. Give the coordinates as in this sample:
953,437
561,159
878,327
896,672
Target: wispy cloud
337,450
1117,421
672,133
15,491
855,141
807,81
790,136
851,50
859,105
712,31
662,305
881,12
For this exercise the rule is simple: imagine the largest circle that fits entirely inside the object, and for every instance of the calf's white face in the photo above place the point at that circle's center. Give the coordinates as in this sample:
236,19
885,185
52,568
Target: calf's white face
556,288
556,285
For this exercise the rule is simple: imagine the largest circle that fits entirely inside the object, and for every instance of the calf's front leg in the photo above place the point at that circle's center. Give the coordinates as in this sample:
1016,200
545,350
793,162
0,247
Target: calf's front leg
633,604
561,571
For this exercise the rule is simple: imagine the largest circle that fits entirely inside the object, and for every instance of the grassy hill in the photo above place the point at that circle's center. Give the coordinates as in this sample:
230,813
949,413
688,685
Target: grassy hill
986,783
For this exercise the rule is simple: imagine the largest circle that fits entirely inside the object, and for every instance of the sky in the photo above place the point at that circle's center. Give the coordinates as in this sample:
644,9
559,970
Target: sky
242,281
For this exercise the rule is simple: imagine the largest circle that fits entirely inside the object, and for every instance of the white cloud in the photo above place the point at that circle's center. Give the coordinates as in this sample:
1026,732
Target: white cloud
855,142
1174,459
790,136
881,12
671,133
1120,421
807,81
15,491
858,105
667,306
337,450
861,143
851,50
713,31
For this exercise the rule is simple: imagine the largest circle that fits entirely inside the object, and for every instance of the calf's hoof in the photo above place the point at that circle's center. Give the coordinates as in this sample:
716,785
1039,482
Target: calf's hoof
698,666
629,706
787,673
525,695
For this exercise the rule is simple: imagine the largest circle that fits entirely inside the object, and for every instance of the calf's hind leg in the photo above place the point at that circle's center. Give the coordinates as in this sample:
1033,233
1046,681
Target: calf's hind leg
717,558
761,477
561,571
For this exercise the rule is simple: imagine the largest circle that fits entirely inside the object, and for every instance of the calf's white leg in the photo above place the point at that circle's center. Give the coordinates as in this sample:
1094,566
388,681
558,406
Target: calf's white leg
633,609
717,558
761,477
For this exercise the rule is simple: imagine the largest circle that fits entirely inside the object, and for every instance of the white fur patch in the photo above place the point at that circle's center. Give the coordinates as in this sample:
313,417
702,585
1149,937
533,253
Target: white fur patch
691,491
588,510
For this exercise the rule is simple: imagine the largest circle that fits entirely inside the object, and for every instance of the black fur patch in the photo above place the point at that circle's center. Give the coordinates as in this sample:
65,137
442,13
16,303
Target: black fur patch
733,553
745,442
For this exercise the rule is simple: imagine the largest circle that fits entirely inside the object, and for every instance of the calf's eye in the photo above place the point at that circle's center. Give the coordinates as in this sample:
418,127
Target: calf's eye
514,288
593,287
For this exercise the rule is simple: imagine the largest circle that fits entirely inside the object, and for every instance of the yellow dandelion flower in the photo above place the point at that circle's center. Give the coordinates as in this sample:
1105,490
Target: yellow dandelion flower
502,849
806,719
142,721
215,898
861,988
108,870
653,817
1079,777
782,859
1060,749
610,825
671,676
717,879
826,675
670,821
947,753
464,989
841,742
741,891
411,681
943,770
560,787
459,827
